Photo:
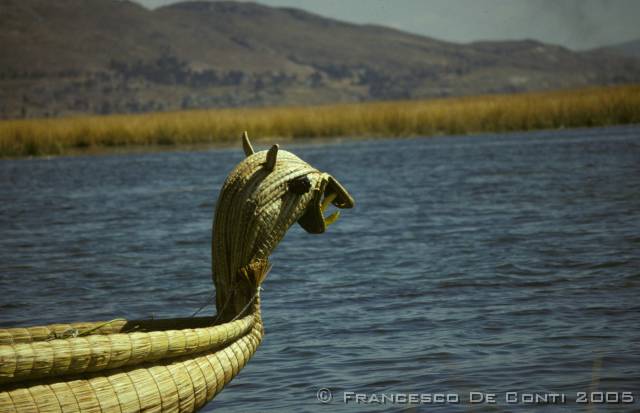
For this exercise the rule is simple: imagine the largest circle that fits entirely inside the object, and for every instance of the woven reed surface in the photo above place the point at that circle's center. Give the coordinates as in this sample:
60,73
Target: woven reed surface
58,357
103,370
174,385
253,212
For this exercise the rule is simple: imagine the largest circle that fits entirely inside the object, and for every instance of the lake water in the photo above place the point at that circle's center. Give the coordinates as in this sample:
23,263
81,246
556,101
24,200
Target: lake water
486,264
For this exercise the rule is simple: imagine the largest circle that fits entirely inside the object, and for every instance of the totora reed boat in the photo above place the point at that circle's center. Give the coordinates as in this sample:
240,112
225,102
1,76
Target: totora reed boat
176,364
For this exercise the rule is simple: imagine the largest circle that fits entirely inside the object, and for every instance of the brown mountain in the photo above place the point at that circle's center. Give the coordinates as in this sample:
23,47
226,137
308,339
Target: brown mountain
629,49
102,56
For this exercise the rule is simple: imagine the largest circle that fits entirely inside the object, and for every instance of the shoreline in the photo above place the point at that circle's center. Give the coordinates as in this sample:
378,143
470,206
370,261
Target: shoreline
203,147
265,143
219,128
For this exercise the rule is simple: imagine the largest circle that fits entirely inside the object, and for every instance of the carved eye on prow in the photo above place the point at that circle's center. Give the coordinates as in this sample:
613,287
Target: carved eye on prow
300,185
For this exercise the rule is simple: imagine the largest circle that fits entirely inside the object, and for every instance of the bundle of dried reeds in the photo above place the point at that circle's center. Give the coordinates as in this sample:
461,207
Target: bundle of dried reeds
176,364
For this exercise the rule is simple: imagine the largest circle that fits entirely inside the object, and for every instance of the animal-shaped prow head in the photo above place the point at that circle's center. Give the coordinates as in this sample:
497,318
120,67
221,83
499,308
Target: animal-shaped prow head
261,198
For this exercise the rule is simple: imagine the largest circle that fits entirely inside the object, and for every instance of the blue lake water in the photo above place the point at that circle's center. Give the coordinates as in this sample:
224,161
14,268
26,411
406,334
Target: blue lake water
488,264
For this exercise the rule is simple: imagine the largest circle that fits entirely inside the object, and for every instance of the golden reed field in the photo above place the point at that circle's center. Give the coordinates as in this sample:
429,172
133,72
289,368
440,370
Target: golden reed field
491,113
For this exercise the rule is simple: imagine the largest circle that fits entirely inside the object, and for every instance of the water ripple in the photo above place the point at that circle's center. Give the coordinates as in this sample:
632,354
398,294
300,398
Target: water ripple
490,264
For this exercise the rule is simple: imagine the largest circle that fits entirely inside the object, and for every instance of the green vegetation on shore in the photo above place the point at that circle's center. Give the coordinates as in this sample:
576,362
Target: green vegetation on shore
491,113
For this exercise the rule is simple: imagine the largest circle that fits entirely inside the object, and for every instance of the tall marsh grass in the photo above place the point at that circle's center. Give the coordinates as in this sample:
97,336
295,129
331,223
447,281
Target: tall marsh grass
491,113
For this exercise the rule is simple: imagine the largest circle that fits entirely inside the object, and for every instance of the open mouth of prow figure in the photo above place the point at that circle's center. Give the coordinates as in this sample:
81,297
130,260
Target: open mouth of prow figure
327,192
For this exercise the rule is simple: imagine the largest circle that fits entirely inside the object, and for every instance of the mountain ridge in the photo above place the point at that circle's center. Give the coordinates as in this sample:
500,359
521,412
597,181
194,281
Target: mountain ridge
630,48
113,56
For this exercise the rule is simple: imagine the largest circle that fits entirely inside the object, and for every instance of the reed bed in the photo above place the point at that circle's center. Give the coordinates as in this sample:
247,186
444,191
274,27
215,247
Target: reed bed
491,113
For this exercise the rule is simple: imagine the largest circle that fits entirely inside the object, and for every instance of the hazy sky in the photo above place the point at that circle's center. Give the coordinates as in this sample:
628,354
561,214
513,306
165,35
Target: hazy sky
577,24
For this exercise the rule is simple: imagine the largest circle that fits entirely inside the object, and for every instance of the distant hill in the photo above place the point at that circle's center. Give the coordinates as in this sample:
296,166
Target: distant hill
104,56
628,49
